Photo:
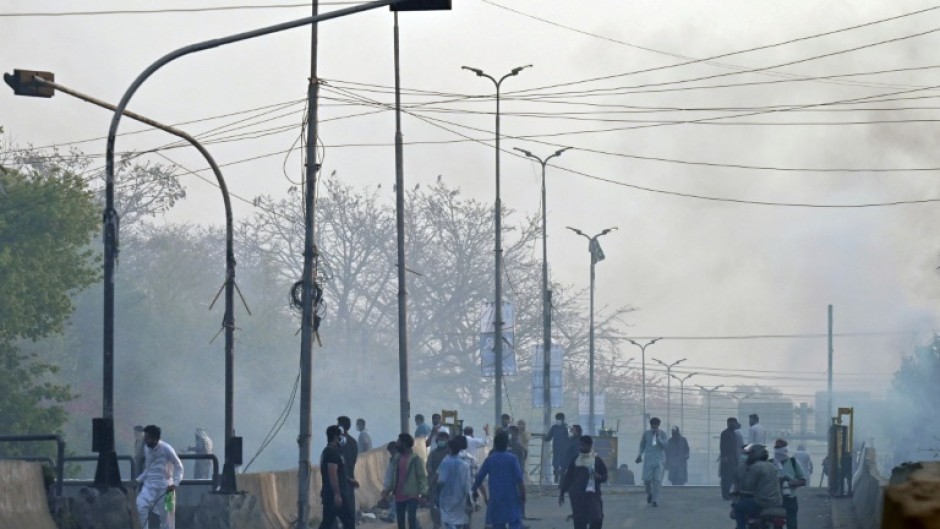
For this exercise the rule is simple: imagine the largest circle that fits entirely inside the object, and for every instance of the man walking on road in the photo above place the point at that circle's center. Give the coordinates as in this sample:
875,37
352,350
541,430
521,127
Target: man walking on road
582,481
558,435
729,457
653,456
506,486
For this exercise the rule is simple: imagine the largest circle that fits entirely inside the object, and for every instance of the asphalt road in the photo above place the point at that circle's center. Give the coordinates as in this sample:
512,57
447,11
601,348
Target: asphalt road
681,508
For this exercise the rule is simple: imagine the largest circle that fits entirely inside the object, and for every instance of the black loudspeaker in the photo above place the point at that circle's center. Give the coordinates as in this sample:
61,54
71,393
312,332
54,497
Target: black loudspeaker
102,435
233,451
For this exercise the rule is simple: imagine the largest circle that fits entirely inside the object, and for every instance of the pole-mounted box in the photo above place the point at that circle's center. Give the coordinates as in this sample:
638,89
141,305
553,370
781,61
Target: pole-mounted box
23,83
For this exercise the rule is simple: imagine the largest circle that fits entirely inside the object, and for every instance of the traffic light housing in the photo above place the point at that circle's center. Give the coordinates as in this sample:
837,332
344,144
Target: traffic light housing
23,83
421,5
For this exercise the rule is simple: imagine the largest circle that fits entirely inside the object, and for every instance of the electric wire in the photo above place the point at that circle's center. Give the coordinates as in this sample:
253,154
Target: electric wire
711,59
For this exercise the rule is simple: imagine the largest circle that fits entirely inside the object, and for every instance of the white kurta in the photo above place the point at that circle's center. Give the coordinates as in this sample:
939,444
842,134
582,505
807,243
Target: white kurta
162,468
453,477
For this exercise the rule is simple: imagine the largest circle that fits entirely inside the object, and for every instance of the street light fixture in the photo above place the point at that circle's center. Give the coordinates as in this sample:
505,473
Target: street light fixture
682,396
643,376
498,306
738,400
708,450
42,84
669,386
546,303
597,254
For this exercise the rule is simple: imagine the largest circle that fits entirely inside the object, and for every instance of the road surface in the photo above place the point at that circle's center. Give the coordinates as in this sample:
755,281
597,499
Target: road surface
681,508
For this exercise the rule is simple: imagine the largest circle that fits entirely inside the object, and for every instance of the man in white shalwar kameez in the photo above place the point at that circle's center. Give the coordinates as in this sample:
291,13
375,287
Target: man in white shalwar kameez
453,486
162,474
653,456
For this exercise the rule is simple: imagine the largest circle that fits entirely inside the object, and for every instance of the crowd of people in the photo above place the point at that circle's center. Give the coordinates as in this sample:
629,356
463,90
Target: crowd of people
460,468
761,484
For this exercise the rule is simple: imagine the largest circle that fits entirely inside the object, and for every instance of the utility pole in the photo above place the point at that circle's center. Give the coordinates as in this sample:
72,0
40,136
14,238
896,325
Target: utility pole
669,378
498,213
404,402
708,450
308,281
643,375
829,410
546,309
597,254
682,397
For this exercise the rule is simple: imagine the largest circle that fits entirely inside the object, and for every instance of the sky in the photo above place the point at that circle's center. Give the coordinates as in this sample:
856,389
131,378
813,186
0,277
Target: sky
707,183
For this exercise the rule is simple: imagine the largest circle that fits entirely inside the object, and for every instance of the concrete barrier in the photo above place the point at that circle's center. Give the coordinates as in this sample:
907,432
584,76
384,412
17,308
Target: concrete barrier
868,486
277,491
23,501
912,499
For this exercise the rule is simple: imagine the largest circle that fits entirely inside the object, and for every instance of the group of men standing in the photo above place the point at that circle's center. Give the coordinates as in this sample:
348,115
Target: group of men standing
756,481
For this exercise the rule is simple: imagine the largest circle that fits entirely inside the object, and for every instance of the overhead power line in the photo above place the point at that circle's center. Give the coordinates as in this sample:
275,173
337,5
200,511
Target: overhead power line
688,60
169,10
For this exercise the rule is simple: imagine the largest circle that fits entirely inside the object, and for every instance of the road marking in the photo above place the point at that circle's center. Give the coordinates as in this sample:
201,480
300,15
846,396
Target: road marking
629,522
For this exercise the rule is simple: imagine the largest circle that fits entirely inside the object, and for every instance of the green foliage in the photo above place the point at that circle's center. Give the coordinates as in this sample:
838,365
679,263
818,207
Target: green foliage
914,399
46,224
47,220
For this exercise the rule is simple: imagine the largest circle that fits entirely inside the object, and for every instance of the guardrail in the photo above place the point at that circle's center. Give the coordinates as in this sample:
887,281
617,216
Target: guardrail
60,452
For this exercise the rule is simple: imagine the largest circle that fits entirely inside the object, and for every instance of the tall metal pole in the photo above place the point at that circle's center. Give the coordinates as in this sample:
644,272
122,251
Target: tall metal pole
107,461
596,255
643,374
829,405
591,357
708,449
404,402
669,378
498,213
228,322
682,397
308,280
546,311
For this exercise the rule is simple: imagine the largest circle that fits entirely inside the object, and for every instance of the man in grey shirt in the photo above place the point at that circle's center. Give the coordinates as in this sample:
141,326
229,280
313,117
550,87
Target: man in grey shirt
758,485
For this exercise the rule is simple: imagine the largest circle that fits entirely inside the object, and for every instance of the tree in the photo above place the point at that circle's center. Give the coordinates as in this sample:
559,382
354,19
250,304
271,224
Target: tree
47,220
50,206
912,425
450,276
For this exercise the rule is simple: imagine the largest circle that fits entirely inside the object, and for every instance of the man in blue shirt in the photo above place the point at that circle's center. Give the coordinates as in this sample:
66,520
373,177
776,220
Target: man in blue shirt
506,485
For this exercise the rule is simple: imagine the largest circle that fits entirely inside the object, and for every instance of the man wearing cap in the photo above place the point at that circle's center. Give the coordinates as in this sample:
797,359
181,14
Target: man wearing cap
791,476
653,456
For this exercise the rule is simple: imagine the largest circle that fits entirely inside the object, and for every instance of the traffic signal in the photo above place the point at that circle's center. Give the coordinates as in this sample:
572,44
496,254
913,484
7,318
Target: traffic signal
23,83
421,5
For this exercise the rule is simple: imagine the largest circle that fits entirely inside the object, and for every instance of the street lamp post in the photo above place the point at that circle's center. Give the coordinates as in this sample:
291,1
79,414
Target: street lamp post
546,307
682,397
498,308
669,386
307,280
107,473
643,376
738,400
708,450
597,254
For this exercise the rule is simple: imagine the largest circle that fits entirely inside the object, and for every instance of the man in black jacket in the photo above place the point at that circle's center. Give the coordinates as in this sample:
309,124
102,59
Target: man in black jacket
350,451
582,481
558,435
729,457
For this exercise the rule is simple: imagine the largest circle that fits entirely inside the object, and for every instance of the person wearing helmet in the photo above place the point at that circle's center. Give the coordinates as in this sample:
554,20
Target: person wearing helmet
757,485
